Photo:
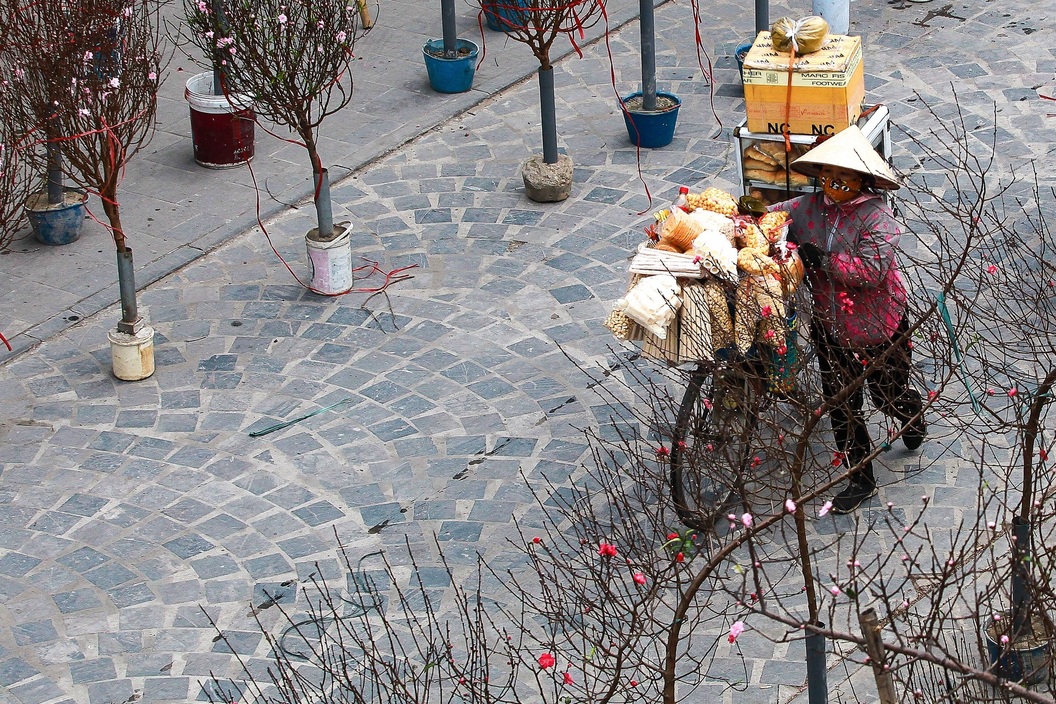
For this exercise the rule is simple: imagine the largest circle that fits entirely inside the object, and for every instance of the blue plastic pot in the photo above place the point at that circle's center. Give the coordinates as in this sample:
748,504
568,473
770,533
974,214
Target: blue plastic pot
1028,666
450,75
651,129
740,53
499,15
56,225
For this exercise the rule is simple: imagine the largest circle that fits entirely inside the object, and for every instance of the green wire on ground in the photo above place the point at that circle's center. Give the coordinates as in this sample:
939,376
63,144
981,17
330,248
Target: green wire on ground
298,419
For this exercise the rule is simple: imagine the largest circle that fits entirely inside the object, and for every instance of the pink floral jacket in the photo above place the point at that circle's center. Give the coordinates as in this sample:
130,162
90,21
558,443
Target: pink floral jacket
859,296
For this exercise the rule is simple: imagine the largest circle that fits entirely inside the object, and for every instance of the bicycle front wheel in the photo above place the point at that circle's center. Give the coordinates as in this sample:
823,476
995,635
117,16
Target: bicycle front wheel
711,444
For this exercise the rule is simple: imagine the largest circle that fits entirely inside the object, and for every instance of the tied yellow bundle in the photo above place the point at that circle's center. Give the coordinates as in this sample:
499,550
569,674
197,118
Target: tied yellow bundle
805,35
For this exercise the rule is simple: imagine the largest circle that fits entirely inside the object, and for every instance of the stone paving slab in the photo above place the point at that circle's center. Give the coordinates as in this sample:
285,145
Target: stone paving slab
128,509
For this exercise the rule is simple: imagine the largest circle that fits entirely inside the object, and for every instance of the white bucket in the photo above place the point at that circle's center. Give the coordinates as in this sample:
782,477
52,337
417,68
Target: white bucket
199,93
331,260
132,355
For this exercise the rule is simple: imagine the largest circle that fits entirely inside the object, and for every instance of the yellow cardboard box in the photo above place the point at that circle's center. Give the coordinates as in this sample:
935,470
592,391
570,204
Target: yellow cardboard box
828,87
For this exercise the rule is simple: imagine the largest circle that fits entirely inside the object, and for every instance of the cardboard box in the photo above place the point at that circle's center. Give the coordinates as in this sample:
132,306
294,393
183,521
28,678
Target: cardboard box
828,87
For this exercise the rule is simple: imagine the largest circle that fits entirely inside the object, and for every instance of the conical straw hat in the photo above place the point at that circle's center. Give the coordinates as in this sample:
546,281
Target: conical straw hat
849,149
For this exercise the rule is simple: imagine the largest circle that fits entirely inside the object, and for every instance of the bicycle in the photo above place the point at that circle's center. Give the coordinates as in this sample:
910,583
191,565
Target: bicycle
713,440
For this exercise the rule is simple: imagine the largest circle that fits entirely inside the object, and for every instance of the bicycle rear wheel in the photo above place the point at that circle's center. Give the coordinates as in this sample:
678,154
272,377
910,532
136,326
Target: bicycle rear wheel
711,443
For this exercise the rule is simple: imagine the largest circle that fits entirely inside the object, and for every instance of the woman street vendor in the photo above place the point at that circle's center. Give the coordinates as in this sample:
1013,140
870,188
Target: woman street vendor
847,237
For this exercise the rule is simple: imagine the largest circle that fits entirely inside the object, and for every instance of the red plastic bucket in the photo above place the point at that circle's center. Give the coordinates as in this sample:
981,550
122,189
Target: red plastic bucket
221,125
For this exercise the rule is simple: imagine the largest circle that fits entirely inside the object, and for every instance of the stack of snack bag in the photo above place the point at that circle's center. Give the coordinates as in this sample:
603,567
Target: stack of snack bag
714,274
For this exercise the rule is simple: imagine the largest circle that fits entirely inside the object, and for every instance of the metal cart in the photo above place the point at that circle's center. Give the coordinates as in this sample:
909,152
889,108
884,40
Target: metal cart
875,125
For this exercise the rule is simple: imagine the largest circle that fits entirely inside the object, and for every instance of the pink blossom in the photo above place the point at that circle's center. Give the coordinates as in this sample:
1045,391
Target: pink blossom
639,578
341,36
568,678
1012,392
152,76
115,82
746,519
991,269
825,509
607,549
282,19
835,591
735,630
790,505
1004,640
546,660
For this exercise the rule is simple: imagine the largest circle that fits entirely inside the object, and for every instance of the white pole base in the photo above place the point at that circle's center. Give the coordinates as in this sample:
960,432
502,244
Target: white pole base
132,355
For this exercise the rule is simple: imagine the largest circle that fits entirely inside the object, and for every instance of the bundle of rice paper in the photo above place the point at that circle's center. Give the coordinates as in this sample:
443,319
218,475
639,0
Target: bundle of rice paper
652,303
678,231
805,35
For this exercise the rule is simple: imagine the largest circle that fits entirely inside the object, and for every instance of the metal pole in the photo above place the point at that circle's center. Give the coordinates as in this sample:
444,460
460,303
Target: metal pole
648,27
762,16
324,210
218,73
836,12
874,645
1020,581
56,193
548,114
817,687
447,18
126,283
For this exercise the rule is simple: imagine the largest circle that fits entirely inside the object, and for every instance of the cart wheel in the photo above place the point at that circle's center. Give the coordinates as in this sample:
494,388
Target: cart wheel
711,443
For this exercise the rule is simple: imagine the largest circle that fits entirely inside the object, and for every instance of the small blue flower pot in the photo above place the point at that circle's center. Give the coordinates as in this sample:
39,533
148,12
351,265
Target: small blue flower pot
1029,665
652,129
60,224
740,53
450,75
499,13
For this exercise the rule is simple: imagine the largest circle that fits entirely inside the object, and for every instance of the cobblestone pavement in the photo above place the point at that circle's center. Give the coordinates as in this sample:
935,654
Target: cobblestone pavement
127,509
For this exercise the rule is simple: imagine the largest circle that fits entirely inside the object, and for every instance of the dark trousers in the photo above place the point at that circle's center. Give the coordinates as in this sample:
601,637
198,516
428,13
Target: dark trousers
887,381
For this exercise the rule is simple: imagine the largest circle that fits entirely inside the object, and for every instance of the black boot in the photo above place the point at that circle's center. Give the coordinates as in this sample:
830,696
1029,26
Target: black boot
859,489
914,432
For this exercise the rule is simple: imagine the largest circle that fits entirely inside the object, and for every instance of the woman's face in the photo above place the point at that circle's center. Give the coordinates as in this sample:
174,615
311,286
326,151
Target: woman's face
839,184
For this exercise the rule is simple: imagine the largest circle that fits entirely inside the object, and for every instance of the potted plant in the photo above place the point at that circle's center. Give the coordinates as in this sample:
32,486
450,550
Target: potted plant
649,115
221,121
14,169
294,57
103,122
37,71
548,178
450,62
1017,641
